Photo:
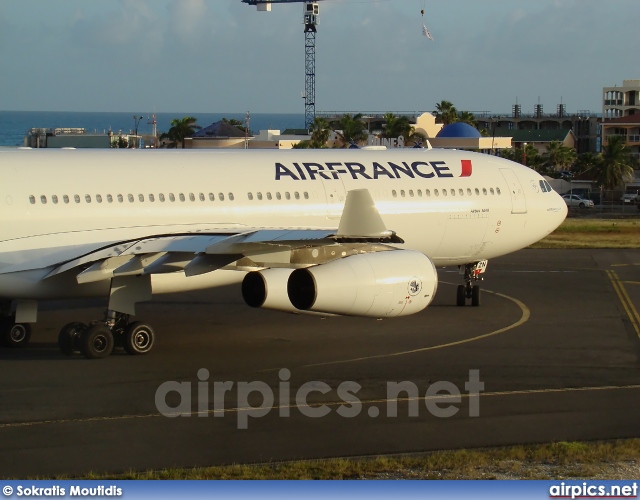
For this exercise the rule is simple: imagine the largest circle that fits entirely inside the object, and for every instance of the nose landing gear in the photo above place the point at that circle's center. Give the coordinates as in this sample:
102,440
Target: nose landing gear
471,290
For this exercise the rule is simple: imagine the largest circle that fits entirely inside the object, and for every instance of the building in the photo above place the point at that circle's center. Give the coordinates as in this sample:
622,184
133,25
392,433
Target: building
583,123
621,114
540,139
75,138
621,101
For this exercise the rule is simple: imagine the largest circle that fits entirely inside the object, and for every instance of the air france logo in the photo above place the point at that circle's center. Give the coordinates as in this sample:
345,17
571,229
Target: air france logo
370,171
414,287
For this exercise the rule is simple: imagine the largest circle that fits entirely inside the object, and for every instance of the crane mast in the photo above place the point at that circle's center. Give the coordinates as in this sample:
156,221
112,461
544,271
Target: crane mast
311,17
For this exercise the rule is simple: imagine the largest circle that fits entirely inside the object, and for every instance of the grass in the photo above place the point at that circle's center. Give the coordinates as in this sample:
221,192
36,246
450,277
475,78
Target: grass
594,233
563,459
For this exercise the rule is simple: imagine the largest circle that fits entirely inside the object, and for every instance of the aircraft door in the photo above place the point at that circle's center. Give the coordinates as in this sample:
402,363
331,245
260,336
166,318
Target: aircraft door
518,200
335,196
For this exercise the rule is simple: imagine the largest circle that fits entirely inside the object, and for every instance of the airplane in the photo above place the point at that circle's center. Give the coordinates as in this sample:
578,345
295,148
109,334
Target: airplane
333,232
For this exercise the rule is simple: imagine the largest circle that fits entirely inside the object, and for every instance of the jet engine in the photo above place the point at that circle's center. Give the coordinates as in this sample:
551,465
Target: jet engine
379,285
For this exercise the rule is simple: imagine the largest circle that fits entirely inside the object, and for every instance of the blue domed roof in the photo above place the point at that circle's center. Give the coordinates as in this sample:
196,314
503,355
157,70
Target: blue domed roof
459,129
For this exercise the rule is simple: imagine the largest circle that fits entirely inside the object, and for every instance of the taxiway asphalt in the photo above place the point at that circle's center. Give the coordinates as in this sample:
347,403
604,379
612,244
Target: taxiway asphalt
556,343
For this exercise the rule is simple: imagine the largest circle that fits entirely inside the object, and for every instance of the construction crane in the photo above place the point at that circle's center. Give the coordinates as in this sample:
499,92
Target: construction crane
310,19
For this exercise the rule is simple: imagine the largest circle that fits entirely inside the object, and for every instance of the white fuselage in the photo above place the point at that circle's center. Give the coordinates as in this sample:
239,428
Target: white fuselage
456,207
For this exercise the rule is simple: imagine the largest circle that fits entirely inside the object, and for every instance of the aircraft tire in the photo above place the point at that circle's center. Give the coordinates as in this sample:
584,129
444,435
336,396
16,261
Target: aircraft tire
70,338
97,342
475,296
16,335
138,338
460,296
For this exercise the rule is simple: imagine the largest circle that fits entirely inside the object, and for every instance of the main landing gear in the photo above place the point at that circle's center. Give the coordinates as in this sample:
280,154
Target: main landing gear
14,334
471,290
98,339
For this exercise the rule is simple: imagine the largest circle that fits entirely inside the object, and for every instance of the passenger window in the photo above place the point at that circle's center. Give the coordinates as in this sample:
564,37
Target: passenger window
54,199
161,197
87,198
65,198
394,194
477,192
296,195
202,198
402,193
498,190
120,198
32,200
444,192
231,197
152,198
141,198
453,192
461,192
427,192
220,196
182,198
43,199
492,191
76,198
287,195
469,191
259,195
99,198
484,191
110,198
435,191
211,197
420,192
130,198
306,195
278,197
192,197
268,196
250,196
172,197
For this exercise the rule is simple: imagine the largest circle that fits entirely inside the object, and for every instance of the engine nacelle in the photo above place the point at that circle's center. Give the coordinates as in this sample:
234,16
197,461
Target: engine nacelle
380,285
268,289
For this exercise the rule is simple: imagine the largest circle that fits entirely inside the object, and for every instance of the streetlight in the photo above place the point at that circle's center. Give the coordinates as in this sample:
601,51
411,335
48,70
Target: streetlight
524,153
136,120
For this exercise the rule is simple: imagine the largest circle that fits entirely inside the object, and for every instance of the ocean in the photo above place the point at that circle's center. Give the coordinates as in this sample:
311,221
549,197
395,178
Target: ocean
14,125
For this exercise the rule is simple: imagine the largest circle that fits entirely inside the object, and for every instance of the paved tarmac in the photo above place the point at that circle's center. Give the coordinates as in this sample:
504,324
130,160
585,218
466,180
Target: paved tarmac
556,343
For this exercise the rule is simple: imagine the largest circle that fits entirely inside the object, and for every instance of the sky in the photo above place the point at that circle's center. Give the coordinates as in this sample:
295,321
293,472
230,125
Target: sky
223,56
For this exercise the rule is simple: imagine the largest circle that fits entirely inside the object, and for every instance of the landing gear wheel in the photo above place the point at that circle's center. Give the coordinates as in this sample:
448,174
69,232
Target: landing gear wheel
97,342
475,296
138,338
70,338
461,296
16,335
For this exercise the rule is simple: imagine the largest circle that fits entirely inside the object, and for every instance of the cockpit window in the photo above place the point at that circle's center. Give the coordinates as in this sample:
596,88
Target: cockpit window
543,186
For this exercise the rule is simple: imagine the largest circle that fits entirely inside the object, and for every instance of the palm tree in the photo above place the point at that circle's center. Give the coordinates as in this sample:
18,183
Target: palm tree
320,131
351,129
446,112
615,167
469,118
584,163
396,126
559,155
181,128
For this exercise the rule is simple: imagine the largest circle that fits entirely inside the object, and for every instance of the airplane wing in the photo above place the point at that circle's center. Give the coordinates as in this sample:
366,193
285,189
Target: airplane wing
205,252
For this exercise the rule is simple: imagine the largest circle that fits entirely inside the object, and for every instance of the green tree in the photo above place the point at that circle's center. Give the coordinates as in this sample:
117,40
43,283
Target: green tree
469,118
396,126
119,142
527,155
351,129
181,128
320,132
616,165
446,112
558,156
236,123
585,163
